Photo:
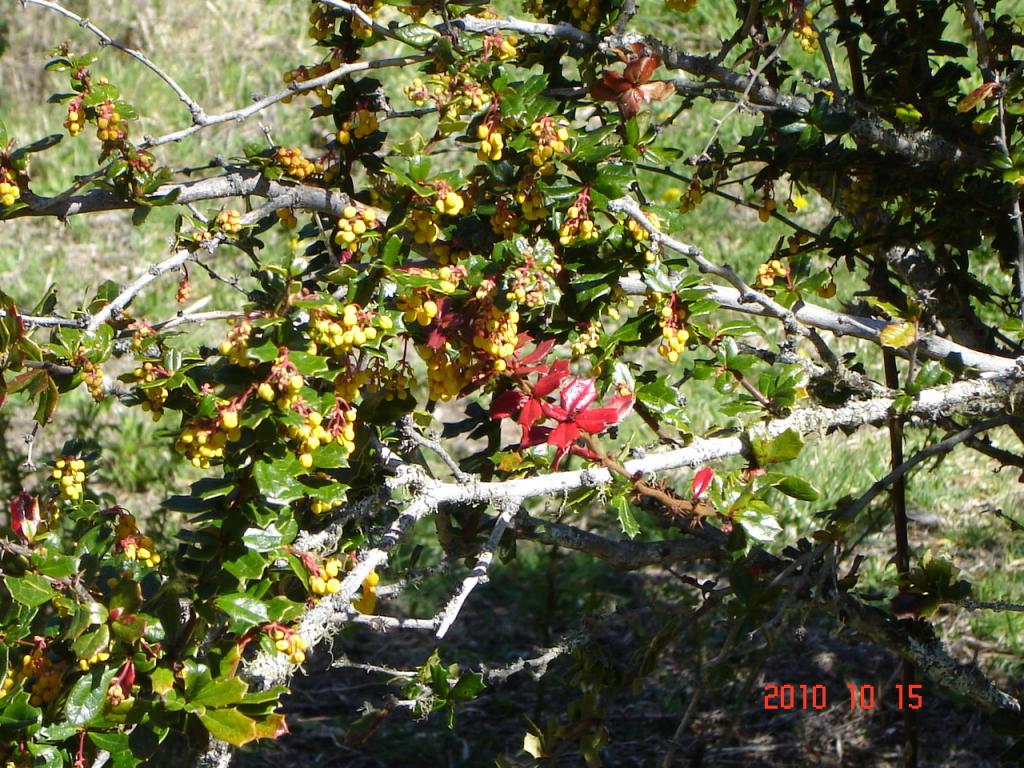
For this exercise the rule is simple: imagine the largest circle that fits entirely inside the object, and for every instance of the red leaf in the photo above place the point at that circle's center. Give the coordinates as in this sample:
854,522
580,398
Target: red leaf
536,436
559,455
556,412
577,394
702,481
623,406
630,103
596,419
564,434
532,413
436,338
507,403
656,91
549,383
640,70
539,352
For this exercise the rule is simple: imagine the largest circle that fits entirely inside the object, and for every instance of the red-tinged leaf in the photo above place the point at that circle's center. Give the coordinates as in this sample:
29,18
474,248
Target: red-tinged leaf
535,436
596,419
25,517
539,352
640,70
581,450
564,435
577,394
549,383
556,412
436,339
702,481
505,405
615,82
631,102
531,413
977,96
622,405
656,91
559,455
602,92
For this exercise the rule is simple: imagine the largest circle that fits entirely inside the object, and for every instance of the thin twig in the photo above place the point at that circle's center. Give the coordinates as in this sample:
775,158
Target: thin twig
198,115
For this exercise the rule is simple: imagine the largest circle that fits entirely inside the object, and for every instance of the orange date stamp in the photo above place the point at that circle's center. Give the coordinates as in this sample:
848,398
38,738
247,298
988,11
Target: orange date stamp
790,697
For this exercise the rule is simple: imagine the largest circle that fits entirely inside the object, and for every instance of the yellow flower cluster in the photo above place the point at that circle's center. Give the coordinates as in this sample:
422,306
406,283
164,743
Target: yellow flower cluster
588,339
417,92
75,121
134,544
353,329
108,123
319,506
321,22
692,197
805,33
294,163
530,199
92,375
418,308
70,473
445,377
586,13
491,142
325,581
367,602
497,336
674,334
308,436
155,397
504,220
445,253
349,381
283,385
303,73
7,685
363,123
290,643
201,442
507,48
9,192
423,226
46,688
550,138
360,28
97,658
235,346
449,202
576,227
354,227
768,206
287,218
857,196
766,273
230,221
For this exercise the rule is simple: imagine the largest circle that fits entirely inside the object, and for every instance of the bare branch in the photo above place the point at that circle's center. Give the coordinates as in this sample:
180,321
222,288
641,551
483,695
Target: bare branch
478,575
240,115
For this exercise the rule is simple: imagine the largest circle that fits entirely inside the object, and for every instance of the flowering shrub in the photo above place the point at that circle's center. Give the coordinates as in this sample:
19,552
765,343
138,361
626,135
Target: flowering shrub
505,274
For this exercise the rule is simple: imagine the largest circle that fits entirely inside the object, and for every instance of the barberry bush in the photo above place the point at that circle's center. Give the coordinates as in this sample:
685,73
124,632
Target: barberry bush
475,290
